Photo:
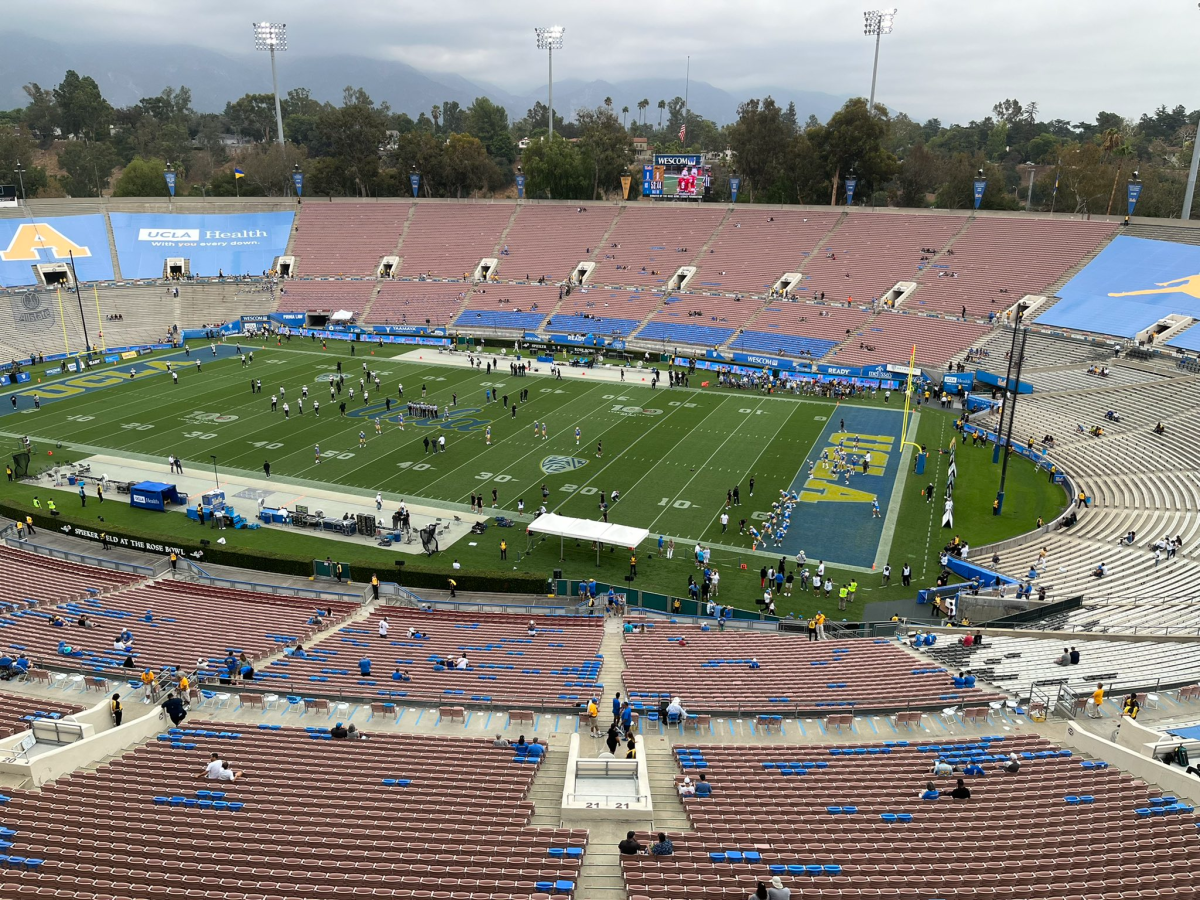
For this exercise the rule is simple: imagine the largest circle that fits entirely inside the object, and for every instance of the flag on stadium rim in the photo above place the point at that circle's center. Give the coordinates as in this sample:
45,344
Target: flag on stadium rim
682,132
238,173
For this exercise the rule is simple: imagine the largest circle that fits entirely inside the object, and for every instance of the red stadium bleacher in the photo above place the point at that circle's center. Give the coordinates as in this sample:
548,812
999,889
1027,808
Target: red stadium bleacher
846,822
302,296
756,246
868,254
650,239
549,241
997,261
557,666
30,579
17,711
889,338
448,240
346,238
713,673
187,621
412,302
828,321
311,818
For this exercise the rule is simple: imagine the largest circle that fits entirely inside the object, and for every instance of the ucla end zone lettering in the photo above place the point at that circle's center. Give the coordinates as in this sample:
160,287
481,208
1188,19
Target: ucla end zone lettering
24,244
233,244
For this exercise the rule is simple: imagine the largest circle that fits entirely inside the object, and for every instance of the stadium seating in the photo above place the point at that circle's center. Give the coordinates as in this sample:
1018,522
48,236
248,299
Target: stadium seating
1015,663
867,254
844,822
549,241
412,302
650,239
1000,260
620,312
712,672
447,240
1118,616
346,238
330,296
498,305
681,331
558,666
17,711
829,322
186,621
398,815
889,338
30,579
755,246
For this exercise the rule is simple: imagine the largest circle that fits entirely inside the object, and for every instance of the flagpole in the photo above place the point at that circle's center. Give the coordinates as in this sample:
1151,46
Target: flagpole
687,83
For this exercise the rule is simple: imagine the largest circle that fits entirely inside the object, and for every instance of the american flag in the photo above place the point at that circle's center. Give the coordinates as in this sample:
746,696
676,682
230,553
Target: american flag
682,133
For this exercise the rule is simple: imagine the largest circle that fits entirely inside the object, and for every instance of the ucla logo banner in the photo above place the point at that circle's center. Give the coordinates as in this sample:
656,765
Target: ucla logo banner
25,244
557,465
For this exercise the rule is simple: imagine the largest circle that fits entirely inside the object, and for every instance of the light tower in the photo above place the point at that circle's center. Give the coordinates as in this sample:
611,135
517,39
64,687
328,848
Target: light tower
877,23
272,36
550,39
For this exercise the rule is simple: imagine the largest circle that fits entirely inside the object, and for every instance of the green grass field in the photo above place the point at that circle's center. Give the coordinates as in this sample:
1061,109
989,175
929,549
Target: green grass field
672,453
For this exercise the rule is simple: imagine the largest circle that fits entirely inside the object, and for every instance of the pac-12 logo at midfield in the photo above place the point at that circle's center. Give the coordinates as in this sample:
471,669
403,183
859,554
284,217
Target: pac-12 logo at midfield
557,465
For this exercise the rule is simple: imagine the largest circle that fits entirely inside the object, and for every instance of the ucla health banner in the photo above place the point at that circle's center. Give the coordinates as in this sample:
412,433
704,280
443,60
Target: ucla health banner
24,244
232,245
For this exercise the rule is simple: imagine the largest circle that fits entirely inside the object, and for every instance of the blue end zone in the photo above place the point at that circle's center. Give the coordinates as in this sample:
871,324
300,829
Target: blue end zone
833,521
1129,286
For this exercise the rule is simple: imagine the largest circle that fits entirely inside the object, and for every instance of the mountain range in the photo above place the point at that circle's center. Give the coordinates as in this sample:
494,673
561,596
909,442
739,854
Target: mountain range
126,73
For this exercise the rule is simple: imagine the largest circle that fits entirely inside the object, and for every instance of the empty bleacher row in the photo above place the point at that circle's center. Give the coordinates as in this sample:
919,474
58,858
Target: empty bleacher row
1120,616
32,580
418,302
559,664
847,823
17,711
397,816
172,623
754,247
711,670
1016,663
889,337
517,306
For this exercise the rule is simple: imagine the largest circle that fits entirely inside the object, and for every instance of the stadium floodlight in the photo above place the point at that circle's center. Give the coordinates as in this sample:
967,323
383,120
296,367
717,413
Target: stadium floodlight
272,36
20,172
877,23
550,39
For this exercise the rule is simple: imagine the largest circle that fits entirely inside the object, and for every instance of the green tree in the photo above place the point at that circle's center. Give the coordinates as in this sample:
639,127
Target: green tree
419,151
606,146
853,140
489,122
268,168
352,134
252,116
17,146
454,118
142,178
662,105
759,140
41,115
556,170
82,109
642,106
468,168
89,166
918,176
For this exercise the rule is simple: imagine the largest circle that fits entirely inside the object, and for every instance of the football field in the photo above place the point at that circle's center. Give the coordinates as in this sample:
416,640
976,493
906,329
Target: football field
672,453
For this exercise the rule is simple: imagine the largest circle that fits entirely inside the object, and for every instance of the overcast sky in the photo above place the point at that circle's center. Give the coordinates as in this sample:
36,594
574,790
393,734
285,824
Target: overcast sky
949,58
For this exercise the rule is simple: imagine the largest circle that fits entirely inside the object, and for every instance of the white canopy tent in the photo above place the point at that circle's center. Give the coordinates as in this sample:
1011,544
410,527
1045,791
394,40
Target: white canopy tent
587,530
342,315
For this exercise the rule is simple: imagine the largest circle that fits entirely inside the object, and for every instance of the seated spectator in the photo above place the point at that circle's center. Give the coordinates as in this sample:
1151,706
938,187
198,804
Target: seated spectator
211,768
401,676
364,665
777,891
83,621
686,788
760,892
463,663
930,792
338,732
501,741
532,629
631,748
974,769
630,846
754,663
1074,657
961,792
128,664
57,621
1131,707
535,749
969,679
675,710
663,847
1013,765
942,768
227,773
703,788
1065,659
978,638
298,652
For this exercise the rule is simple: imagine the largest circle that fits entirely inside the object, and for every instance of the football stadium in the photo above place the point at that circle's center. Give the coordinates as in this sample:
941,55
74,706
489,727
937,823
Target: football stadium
673,545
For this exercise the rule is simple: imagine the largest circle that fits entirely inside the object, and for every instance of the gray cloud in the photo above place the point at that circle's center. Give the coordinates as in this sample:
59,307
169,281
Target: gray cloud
949,58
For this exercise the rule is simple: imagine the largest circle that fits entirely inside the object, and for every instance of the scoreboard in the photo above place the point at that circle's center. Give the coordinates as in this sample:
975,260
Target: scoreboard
681,176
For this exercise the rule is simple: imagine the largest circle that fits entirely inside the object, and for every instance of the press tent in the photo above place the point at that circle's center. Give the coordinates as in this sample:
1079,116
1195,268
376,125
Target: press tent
565,527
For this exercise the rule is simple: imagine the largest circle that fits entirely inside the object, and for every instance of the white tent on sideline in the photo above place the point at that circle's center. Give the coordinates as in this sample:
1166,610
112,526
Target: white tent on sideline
587,530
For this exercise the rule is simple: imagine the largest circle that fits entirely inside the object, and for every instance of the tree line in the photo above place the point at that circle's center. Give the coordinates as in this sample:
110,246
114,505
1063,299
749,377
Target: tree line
70,141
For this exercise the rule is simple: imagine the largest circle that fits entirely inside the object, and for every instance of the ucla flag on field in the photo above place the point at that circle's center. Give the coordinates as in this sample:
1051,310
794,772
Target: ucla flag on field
238,173
170,176
735,185
851,185
415,180
1134,191
520,187
298,181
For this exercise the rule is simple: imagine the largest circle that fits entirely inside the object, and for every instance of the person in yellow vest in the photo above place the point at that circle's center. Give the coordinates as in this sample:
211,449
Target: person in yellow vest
50,506
1095,702
503,549
174,561
820,625
593,712
148,683
114,706
853,588
453,585
632,565
184,685
29,525
374,586
843,593
20,530
37,504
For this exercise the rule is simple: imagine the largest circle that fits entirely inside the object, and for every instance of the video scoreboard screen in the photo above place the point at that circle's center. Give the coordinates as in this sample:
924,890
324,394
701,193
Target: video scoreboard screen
8,195
676,176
